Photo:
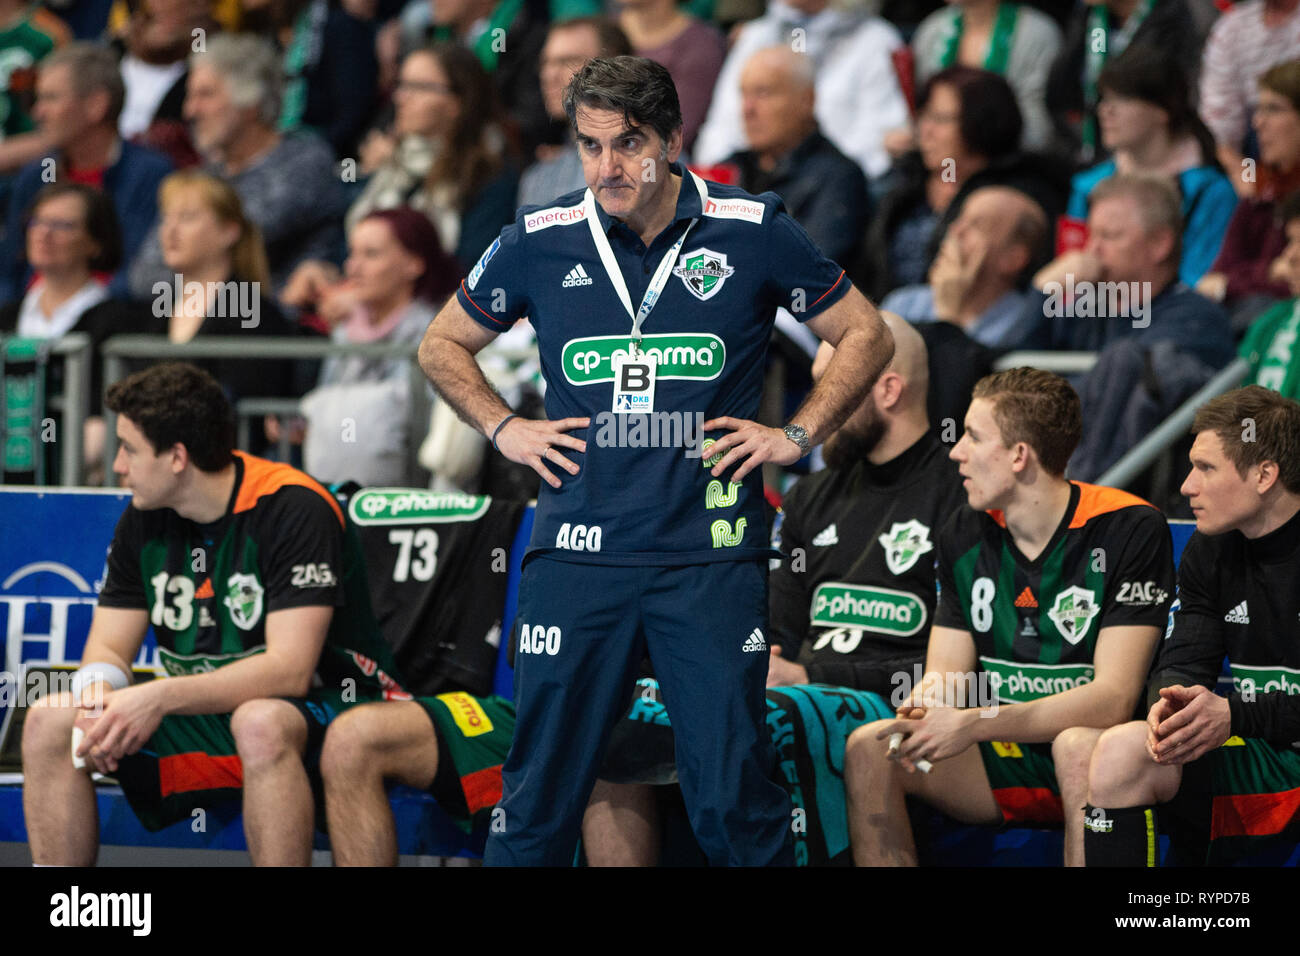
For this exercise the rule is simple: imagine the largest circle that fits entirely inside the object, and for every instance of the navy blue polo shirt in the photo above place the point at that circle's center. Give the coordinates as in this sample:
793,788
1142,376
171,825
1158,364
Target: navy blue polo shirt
639,498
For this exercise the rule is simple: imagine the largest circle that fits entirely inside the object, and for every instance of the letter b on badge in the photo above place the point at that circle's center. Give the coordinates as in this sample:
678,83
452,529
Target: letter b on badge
634,383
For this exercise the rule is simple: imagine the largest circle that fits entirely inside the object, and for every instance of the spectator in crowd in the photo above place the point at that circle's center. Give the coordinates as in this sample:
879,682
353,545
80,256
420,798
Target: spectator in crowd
1098,32
219,282
154,54
977,281
78,100
1127,271
1013,40
450,157
691,49
1245,276
330,70
27,33
1270,345
968,125
394,280
73,241
506,36
822,188
859,98
569,44
1148,122
1245,43
286,182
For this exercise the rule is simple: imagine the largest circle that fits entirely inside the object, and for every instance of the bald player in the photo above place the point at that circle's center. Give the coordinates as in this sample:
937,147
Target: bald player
824,190
978,280
850,612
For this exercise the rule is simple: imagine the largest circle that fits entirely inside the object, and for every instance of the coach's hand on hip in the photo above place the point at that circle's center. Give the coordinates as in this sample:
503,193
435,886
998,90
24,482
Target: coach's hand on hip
537,443
751,441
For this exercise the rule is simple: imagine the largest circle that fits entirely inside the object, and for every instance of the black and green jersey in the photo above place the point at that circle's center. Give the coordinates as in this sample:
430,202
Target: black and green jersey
208,588
438,566
854,598
1241,598
1035,623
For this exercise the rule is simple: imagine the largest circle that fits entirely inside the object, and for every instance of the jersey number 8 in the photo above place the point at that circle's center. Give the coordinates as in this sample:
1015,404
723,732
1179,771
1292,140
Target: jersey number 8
981,604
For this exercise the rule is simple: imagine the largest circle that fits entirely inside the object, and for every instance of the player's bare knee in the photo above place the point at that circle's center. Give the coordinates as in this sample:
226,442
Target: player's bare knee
866,755
350,746
266,732
47,728
1119,763
1072,750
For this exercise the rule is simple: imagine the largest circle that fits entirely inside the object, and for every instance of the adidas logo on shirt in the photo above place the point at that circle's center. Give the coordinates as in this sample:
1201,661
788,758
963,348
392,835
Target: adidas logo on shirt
827,537
755,642
577,276
1238,615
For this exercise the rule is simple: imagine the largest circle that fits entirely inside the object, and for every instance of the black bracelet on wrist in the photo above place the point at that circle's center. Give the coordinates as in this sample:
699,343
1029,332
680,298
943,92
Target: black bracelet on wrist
498,429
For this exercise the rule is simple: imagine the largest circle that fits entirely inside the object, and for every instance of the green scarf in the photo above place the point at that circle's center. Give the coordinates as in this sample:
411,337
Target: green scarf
1004,27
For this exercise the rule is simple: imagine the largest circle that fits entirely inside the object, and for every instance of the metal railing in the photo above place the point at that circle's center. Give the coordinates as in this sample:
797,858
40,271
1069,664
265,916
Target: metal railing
1144,453
120,348
74,403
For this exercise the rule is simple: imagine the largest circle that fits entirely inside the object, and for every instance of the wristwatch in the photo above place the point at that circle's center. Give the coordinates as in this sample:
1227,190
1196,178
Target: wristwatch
799,435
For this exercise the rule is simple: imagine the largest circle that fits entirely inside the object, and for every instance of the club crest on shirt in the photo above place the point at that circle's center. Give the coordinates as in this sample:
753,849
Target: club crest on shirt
905,543
1073,612
244,600
703,271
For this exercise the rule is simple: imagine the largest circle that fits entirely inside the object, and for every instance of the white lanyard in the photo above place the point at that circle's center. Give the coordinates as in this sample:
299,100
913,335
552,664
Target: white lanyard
660,277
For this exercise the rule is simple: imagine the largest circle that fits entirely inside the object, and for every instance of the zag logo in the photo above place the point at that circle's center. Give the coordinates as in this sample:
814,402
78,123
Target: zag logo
723,536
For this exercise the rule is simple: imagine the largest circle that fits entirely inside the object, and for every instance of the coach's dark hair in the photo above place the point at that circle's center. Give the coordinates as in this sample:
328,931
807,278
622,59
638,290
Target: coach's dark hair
1037,408
177,402
642,90
1256,425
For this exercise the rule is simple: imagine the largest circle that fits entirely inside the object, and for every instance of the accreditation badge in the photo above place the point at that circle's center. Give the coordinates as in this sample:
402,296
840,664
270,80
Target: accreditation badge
634,382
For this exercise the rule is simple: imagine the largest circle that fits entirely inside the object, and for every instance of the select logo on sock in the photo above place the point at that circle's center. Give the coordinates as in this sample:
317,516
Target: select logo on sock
1098,822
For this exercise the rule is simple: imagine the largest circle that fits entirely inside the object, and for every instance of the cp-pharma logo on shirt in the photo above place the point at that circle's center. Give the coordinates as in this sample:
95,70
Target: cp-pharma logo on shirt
1073,612
686,356
704,271
904,544
244,600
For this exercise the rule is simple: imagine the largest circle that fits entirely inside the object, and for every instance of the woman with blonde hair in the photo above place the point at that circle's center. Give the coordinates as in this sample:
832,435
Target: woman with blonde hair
220,284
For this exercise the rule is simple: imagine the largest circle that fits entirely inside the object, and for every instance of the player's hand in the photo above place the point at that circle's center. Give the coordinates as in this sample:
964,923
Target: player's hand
783,673
537,443
129,718
750,441
1160,711
1201,722
940,733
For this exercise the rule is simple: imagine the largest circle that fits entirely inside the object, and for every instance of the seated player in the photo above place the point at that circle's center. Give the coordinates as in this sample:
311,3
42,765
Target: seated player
1231,763
1052,595
440,606
849,605
258,605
